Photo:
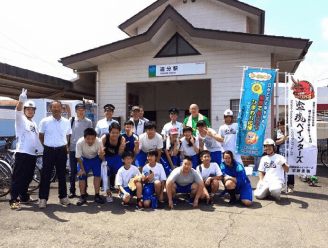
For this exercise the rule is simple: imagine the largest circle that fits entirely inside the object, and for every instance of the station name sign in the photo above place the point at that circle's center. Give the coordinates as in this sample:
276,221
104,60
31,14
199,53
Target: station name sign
177,69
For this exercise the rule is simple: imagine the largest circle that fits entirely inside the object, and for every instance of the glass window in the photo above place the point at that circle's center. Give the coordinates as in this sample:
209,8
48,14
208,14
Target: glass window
234,106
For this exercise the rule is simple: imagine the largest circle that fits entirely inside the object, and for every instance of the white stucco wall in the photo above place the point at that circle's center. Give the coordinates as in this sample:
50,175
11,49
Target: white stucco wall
222,67
208,15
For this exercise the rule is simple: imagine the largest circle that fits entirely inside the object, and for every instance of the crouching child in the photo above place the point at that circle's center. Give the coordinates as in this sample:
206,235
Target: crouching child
211,174
129,180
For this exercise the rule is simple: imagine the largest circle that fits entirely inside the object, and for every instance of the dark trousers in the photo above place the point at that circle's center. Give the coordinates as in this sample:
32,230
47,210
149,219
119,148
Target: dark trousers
53,157
290,180
72,172
22,176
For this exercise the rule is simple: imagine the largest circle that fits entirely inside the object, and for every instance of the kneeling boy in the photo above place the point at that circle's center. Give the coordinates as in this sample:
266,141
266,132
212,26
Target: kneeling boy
184,179
89,154
211,174
154,178
123,178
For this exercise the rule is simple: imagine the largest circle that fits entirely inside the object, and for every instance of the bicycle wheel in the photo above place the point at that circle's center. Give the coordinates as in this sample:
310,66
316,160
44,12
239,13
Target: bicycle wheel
5,179
324,158
35,183
53,175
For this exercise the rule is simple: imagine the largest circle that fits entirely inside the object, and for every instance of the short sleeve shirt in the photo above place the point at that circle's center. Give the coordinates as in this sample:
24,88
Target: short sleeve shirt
169,125
124,176
103,126
210,143
229,133
78,128
55,131
158,170
188,150
176,176
146,144
212,171
272,166
86,151
27,135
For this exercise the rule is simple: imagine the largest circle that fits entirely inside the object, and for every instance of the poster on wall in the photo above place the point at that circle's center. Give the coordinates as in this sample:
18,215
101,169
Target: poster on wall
302,123
254,110
66,110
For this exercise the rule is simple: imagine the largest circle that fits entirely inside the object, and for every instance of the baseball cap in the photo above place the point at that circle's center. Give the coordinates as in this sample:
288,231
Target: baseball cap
109,107
228,112
79,105
137,108
173,111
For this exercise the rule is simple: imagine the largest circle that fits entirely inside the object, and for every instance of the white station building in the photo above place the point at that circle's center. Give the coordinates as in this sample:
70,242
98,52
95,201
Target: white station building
181,52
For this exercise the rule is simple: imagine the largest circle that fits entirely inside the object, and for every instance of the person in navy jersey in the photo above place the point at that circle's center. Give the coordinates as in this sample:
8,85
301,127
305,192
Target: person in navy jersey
235,180
114,145
131,139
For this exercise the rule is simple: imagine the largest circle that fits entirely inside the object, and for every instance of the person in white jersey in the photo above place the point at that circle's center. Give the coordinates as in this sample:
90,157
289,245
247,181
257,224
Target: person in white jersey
228,135
174,114
272,170
28,144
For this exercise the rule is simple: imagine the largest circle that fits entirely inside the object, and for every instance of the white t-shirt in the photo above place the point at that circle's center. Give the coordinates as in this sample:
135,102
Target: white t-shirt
158,170
169,125
272,166
188,150
86,151
124,176
146,144
210,144
229,133
27,135
103,125
55,131
212,171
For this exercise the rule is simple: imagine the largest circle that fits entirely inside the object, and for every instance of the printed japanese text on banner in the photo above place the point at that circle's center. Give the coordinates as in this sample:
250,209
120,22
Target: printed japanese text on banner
254,110
302,155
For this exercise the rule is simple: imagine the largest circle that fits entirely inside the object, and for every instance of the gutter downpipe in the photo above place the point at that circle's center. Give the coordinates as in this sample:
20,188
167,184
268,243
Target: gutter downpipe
277,86
97,86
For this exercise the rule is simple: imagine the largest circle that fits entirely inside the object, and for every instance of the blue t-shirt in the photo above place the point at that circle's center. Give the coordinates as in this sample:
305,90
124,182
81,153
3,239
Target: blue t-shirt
129,146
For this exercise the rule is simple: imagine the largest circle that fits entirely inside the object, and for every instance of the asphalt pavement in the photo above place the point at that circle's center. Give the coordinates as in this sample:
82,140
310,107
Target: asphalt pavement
299,219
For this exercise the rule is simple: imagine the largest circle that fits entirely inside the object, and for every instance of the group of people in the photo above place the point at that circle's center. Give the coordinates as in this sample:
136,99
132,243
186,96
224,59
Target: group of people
188,157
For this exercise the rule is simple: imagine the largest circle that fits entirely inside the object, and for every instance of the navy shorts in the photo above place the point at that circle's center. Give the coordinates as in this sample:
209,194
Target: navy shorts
183,189
93,164
141,159
127,189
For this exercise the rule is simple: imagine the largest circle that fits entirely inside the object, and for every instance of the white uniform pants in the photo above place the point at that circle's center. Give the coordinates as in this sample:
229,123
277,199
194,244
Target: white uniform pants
264,188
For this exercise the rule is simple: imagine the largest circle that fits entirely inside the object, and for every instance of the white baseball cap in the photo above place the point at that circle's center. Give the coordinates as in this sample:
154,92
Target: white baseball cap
228,112
269,142
29,104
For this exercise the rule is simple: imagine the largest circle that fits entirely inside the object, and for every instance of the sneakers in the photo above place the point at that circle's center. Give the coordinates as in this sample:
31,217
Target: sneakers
109,197
64,201
224,193
175,201
81,201
139,205
71,195
99,200
233,200
209,201
191,201
125,204
30,200
42,203
212,195
15,206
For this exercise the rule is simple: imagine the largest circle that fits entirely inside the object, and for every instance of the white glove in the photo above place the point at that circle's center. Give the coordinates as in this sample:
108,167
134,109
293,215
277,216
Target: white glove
23,96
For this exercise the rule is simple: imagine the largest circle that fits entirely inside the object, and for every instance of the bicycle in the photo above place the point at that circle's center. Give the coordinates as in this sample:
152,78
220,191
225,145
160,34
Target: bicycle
7,167
324,157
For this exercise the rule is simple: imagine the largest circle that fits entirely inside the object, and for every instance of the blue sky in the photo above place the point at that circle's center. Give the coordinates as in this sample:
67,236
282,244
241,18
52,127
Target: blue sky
37,33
